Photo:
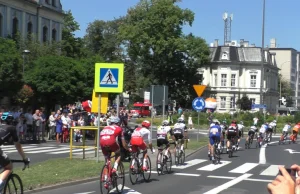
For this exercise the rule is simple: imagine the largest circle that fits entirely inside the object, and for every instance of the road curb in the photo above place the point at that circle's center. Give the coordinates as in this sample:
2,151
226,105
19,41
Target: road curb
66,184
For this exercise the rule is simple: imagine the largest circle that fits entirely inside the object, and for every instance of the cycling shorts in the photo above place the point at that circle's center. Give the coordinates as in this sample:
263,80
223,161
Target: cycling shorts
178,136
4,159
270,130
240,133
107,147
213,137
161,142
251,133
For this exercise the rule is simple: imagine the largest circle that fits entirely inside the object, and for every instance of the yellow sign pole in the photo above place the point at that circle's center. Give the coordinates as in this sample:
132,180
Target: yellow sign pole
98,131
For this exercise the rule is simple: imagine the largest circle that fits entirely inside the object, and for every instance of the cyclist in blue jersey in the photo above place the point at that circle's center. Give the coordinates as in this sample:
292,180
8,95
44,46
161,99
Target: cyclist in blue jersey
215,133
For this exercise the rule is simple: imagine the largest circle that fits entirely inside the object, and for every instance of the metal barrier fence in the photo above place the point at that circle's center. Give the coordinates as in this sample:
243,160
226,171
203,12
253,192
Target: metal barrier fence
84,146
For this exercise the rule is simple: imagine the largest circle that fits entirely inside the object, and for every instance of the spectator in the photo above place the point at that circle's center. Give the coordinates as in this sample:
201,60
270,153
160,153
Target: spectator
52,124
190,122
58,128
36,124
29,124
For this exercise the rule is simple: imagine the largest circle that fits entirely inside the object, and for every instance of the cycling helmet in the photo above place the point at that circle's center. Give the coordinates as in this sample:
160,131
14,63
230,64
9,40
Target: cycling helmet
114,120
165,123
274,121
7,118
180,120
234,121
241,122
146,124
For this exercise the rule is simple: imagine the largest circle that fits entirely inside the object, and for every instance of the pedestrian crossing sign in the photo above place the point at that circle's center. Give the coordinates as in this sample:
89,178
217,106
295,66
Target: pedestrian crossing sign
109,77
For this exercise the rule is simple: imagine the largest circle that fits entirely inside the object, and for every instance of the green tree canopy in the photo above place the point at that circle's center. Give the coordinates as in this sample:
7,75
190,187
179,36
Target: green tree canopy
57,79
244,103
10,68
154,41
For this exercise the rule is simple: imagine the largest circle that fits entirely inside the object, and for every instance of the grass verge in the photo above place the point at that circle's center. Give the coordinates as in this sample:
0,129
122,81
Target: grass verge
194,144
57,171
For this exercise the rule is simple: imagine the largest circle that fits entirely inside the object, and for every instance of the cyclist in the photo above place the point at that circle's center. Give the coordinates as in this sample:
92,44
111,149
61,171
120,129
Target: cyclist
211,125
162,137
296,130
224,128
180,132
214,135
263,130
8,132
109,142
140,138
240,127
285,130
252,131
271,128
232,132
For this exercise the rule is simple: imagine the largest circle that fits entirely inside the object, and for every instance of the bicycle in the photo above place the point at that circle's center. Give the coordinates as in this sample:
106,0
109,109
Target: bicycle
293,138
164,160
179,154
283,138
232,146
137,169
249,142
217,152
109,181
14,178
267,139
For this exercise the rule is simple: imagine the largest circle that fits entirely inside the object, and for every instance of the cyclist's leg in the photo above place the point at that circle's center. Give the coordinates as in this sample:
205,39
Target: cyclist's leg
116,149
4,161
212,141
143,148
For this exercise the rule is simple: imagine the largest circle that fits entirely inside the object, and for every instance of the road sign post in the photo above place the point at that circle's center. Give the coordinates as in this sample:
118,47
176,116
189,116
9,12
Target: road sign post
199,89
108,79
198,105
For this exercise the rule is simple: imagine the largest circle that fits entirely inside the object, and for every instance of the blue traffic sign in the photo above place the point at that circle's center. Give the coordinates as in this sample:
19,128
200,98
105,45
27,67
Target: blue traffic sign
258,106
109,77
198,104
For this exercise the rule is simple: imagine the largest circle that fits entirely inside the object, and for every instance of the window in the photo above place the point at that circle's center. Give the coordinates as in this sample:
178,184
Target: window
54,34
223,102
1,25
45,34
232,102
216,80
54,3
29,30
233,80
15,28
252,81
48,1
225,56
252,100
223,79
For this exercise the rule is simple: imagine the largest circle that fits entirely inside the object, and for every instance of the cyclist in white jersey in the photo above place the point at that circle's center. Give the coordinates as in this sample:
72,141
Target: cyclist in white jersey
263,130
286,129
180,132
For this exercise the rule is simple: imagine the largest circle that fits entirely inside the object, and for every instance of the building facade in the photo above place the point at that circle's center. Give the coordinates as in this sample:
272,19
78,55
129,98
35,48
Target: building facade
235,72
40,18
287,60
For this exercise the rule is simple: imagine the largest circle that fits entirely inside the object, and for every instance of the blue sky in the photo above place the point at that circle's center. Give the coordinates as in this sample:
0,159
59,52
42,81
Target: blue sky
282,18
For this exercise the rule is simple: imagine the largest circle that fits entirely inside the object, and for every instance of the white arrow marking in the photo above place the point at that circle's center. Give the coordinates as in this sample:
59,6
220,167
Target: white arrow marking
292,151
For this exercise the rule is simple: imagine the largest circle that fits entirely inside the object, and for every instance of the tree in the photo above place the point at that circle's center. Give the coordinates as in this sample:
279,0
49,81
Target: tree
10,68
154,41
57,80
71,46
101,39
24,95
244,103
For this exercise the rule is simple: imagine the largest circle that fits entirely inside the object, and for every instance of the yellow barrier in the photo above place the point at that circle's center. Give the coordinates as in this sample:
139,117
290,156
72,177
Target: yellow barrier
94,128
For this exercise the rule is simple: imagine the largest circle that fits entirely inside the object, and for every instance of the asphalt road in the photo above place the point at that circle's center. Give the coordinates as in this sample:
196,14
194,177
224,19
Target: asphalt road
249,171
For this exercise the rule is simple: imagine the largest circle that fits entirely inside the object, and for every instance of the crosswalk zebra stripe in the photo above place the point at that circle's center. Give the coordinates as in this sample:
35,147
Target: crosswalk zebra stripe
30,149
212,167
272,170
244,168
13,148
189,164
67,151
47,150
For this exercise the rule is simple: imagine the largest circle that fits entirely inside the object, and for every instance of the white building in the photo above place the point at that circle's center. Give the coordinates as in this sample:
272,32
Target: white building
43,18
288,61
236,71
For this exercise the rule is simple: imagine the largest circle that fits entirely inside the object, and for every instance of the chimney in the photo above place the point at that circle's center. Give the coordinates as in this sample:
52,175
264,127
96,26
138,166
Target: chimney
273,43
216,43
246,43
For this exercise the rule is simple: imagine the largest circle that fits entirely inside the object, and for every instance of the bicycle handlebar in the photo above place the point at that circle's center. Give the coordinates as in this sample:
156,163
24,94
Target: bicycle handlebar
26,163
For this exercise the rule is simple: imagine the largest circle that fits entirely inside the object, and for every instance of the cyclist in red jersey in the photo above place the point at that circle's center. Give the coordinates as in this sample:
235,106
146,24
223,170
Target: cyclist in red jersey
109,142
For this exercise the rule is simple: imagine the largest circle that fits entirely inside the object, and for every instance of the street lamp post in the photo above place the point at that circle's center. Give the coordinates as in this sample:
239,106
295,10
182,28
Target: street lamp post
24,53
262,55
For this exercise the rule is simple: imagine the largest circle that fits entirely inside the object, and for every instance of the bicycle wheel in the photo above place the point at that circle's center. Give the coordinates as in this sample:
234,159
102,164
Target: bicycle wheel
134,170
147,174
13,185
177,154
104,181
182,158
169,162
120,175
159,160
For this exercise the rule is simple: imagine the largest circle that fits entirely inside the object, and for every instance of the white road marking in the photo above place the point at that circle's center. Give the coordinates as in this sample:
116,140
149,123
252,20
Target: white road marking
67,150
231,178
244,168
27,150
43,151
126,190
13,148
212,167
186,174
189,164
262,153
272,170
228,184
86,192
